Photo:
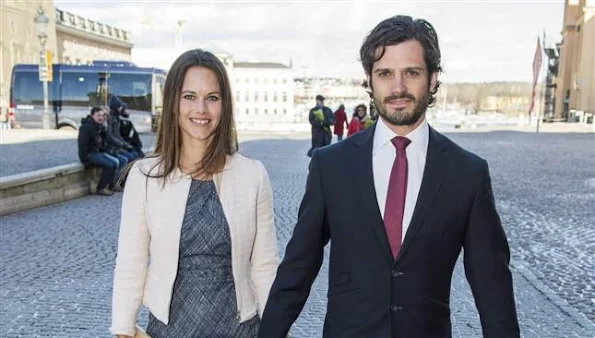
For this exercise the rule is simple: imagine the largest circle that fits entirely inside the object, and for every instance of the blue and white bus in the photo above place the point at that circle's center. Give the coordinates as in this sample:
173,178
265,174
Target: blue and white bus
75,89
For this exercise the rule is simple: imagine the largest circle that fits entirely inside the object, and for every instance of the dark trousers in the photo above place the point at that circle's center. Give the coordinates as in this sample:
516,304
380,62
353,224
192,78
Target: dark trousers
109,167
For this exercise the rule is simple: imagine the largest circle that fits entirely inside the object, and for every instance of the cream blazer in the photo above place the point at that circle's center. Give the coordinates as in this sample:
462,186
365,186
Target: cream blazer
151,221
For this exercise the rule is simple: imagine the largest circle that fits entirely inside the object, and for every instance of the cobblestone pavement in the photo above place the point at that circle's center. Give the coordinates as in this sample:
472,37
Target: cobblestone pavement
57,261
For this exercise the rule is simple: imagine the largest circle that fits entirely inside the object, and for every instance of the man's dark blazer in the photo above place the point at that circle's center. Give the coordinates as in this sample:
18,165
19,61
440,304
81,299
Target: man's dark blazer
370,294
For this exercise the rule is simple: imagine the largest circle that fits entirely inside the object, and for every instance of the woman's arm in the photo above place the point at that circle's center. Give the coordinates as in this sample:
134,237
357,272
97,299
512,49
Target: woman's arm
133,253
264,253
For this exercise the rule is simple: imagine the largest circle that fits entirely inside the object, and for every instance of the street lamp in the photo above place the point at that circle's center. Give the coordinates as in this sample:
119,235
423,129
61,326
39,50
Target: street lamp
41,23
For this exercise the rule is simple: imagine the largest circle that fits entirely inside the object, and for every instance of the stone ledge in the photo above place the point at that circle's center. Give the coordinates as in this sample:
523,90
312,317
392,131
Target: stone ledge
42,187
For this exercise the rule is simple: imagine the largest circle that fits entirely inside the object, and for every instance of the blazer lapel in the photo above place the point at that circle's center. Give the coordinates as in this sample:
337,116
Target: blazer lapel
434,172
364,143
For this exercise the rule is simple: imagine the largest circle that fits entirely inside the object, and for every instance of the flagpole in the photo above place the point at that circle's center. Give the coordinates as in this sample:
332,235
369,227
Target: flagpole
541,92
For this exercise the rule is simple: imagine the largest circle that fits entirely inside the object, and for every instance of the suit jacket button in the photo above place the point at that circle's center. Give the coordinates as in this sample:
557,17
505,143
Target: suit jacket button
395,308
396,273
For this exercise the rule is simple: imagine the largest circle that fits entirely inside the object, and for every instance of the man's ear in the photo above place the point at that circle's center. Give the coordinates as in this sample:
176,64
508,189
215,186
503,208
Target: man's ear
433,82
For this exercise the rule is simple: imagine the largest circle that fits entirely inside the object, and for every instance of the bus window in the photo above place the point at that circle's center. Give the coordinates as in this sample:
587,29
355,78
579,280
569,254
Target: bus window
80,89
27,89
132,89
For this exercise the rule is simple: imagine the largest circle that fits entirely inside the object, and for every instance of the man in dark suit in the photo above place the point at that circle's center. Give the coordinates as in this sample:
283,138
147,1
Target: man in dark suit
398,230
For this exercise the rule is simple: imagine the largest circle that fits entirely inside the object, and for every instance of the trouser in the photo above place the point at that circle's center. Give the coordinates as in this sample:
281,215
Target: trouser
109,167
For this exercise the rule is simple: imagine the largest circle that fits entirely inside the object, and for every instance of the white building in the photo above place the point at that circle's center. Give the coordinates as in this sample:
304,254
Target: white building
263,92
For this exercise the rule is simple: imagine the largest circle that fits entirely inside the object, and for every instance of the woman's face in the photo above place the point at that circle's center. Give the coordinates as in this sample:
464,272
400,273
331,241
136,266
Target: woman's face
361,112
200,105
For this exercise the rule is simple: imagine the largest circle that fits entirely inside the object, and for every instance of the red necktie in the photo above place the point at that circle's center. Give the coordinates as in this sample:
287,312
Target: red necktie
395,197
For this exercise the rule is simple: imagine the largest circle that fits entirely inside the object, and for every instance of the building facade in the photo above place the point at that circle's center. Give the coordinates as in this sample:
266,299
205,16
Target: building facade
575,84
79,40
263,92
71,39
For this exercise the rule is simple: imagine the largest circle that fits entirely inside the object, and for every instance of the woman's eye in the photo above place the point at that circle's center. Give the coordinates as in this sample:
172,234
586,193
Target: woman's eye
188,97
213,98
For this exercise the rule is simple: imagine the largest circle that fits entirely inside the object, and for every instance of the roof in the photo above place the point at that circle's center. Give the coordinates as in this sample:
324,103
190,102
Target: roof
259,65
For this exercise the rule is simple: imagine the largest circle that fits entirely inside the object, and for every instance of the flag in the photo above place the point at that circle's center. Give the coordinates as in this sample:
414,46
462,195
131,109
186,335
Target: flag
536,70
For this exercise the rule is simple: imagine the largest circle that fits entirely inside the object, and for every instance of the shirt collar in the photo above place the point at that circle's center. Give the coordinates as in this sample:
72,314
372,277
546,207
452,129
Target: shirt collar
419,137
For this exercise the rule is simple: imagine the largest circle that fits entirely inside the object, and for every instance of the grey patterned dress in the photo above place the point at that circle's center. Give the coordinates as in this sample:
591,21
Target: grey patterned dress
204,301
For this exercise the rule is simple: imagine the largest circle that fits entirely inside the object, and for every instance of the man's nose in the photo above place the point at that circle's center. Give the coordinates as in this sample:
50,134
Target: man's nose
398,85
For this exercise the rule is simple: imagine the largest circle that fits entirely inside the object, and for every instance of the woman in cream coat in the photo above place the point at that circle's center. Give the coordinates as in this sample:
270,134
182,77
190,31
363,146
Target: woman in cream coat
197,241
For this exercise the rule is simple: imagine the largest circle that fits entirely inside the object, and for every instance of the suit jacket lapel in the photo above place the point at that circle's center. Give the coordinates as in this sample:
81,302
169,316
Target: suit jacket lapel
434,172
364,142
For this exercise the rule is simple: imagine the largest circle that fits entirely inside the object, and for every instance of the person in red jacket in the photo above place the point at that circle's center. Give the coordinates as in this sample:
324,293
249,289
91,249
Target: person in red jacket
359,121
340,122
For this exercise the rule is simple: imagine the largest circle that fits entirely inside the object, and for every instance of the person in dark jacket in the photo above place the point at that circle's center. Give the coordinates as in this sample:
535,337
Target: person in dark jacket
116,107
129,133
321,118
92,151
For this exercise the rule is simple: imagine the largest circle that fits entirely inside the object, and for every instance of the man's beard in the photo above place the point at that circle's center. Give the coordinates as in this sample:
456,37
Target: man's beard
402,117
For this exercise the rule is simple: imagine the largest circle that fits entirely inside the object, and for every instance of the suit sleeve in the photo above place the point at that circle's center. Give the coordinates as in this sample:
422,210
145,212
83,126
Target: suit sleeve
264,258
302,260
486,259
329,117
133,255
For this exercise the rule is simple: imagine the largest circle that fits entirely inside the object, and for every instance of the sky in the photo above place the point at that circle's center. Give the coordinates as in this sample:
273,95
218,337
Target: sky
480,41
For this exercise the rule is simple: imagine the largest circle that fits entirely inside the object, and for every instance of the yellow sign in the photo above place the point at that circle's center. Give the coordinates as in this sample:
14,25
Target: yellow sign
48,64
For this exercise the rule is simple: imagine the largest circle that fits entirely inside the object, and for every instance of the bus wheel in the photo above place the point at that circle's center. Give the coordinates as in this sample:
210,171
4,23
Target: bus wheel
67,127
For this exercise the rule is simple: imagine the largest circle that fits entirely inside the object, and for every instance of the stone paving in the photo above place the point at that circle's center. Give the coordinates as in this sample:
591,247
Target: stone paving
56,262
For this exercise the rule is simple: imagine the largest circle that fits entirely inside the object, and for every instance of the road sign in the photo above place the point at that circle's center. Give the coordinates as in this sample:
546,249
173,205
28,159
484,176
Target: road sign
45,66
48,65
42,67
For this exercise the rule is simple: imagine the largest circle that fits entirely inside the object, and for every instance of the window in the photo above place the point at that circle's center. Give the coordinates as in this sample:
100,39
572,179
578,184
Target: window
132,89
247,97
247,111
238,96
266,111
284,97
275,111
246,80
255,96
255,111
27,89
266,97
84,89
266,80
275,97
255,80
284,81
284,111
275,81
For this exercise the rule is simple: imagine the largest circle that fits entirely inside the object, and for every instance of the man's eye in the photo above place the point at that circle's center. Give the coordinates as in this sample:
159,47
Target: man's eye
384,73
412,73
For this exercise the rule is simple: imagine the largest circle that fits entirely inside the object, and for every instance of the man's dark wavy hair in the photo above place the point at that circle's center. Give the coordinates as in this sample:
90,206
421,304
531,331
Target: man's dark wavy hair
395,30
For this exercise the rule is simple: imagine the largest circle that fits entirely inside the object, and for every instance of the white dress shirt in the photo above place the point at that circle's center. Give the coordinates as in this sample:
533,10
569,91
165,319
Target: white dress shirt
383,156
